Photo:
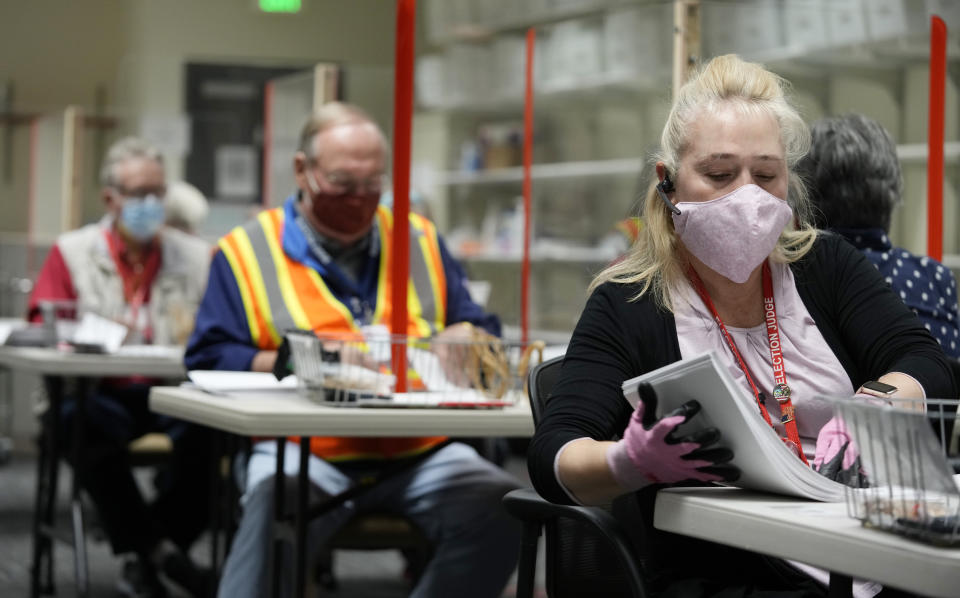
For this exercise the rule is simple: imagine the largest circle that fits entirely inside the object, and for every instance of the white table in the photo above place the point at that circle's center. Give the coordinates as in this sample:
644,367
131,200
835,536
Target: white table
820,534
56,365
156,362
286,413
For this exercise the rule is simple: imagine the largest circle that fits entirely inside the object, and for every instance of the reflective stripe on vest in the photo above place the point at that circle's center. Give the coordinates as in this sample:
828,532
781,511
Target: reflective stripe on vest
280,293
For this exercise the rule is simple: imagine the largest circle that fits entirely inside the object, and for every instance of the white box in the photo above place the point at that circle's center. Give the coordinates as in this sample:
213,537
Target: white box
509,66
845,22
637,43
886,18
804,24
747,27
574,53
430,85
467,72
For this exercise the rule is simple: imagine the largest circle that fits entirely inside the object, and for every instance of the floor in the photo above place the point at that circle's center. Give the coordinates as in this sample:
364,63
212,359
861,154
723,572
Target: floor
362,574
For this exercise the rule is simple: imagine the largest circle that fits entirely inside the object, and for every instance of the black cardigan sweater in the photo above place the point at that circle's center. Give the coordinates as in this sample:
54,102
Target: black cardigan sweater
868,327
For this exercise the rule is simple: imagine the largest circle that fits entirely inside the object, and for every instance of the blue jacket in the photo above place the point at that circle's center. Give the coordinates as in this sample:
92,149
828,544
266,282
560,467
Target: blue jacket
221,339
924,284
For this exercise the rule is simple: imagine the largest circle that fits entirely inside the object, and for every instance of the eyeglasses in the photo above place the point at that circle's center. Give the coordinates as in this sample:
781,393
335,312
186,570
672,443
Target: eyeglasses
159,192
341,183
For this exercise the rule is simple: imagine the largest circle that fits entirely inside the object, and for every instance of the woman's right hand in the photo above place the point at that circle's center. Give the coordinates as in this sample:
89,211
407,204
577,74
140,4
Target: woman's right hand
650,452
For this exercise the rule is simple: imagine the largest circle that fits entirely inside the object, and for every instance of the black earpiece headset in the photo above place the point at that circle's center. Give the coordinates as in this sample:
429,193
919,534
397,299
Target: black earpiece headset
666,186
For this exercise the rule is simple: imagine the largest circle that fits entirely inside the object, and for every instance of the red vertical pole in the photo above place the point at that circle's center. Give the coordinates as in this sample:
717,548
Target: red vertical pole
267,140
402,117
527,185
938,73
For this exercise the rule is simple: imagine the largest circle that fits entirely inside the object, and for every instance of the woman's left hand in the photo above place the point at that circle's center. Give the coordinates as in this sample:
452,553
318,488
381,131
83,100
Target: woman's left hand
837,456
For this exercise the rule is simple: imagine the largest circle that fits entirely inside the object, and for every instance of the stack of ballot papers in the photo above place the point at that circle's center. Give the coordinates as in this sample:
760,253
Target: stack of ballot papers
227,383
765,462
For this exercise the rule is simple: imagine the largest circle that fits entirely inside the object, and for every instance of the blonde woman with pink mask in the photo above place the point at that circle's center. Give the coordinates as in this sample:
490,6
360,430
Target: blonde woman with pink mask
727,254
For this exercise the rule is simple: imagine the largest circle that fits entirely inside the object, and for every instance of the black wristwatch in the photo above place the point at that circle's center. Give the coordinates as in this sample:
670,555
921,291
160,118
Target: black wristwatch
878,389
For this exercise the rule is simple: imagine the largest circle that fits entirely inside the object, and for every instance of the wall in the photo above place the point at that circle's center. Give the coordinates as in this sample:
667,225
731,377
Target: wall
135,51
55,53
165,35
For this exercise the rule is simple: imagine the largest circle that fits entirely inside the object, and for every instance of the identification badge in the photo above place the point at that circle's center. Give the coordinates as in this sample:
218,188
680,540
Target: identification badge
781,392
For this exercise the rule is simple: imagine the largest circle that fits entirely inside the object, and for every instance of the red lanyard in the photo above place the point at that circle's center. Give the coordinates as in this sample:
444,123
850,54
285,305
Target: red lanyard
135,288
781,392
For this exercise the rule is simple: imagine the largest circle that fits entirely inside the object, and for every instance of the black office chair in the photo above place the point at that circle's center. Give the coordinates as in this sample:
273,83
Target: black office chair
587,551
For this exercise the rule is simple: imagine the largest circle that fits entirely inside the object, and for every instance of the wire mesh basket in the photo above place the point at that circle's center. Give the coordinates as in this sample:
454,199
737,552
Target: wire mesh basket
344,369
908,464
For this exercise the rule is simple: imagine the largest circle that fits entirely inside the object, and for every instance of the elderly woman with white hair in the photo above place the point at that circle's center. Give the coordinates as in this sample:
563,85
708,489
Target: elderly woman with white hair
186,207
727,235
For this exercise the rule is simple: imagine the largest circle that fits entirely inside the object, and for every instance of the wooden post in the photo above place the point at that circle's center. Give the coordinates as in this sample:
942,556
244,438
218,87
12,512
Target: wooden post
686,40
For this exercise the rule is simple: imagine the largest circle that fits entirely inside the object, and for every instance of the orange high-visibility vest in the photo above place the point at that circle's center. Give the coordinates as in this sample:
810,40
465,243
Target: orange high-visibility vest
280,293
630,228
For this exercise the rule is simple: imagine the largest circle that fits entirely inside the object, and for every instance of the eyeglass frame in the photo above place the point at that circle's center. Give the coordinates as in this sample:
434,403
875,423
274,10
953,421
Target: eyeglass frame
158,192
372,184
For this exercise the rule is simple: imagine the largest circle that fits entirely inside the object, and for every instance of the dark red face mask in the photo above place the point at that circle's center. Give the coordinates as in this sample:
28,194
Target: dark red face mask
345,213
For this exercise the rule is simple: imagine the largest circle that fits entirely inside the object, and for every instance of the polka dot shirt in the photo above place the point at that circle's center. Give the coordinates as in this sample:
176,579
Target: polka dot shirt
924,284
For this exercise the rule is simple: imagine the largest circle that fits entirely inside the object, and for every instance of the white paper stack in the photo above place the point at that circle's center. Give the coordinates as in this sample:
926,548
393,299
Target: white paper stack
764,460
227,382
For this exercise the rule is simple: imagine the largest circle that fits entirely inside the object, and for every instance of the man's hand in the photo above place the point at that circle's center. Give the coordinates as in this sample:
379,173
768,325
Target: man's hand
452,348
263,361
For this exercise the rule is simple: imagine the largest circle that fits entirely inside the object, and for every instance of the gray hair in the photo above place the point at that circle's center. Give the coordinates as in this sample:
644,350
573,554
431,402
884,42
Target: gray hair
334,114
123,150
853,173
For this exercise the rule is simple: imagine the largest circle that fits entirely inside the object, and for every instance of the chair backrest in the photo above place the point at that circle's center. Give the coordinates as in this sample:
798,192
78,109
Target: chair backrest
951,430
540,381
578,561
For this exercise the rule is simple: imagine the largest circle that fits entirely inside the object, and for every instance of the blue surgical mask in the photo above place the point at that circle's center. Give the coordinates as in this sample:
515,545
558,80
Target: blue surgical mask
142,217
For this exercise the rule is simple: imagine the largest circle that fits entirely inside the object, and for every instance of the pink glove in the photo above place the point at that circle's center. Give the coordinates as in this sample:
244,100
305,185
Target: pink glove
837,456
649,451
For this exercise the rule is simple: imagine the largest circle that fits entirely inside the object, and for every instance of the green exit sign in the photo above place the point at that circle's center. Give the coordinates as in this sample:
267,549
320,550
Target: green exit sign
288,6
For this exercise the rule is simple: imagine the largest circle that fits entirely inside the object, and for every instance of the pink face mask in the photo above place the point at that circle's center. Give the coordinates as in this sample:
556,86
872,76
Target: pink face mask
734,233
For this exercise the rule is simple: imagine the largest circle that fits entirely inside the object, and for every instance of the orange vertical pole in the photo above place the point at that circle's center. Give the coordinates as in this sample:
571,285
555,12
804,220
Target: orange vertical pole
267,139
527,186
938,73
402,117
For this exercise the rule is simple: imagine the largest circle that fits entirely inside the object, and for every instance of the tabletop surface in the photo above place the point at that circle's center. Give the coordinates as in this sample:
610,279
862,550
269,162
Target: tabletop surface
286,413
147,360
820,534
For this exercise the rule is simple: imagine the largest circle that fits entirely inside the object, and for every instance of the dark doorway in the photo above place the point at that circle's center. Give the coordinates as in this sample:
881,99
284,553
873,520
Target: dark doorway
225,104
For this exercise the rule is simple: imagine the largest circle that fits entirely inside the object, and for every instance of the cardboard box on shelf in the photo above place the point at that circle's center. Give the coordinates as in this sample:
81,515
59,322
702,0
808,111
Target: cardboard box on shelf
846,22
746,27
804,25
886,18
637,43
574,53
431,87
